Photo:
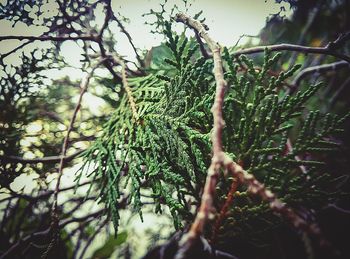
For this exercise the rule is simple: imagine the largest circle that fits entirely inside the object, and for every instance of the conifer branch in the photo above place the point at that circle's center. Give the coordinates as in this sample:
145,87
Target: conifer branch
128,90
224,210
206,206
127,34
255,187
222,161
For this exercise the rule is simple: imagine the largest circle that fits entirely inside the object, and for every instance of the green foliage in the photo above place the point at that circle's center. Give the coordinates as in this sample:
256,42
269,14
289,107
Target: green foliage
259,119
168,149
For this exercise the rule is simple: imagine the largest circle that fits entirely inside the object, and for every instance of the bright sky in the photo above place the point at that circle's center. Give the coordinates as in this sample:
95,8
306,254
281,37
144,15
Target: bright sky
227,20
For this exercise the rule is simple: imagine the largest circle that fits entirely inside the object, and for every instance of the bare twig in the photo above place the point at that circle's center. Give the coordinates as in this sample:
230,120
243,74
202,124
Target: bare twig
70,19
291,47
41,196
107,63
48,159
55,218
202,46
335,96
317,69
49,38
206,206
127,34
128,90
92,237
310,20
224,210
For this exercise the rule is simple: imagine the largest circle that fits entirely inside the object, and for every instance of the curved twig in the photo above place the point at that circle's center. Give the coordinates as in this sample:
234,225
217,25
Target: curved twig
292,47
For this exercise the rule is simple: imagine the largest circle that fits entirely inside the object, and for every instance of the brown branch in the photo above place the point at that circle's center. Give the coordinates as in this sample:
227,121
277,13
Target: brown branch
69,19
291,47
55,218
128,90
202,46
206,206
127,34
223,211
41,195
48,159
107,63
317,69
289,149
92,237
341,88
49,38
222,161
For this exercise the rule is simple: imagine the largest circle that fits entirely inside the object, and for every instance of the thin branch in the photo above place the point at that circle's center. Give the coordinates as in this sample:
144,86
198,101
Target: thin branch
48,159
335,96
289,149
202,46
128,90
317,69
206,206
224,210
45,232
92,237
107,63
291,47
55,218
310,20
49,38
40,196
71,19
222,161
127,34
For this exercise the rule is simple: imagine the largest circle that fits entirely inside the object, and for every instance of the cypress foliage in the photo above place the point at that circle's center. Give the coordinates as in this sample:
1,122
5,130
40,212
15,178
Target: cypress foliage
166,147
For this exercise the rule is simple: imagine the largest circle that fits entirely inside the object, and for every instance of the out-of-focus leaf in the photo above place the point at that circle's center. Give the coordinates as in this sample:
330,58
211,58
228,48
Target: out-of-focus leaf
109,247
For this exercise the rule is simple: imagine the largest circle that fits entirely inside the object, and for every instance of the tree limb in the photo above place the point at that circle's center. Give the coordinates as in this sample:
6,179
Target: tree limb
317,69
291,47
222,161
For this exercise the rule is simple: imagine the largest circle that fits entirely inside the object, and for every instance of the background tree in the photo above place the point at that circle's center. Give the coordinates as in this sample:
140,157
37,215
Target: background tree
277,173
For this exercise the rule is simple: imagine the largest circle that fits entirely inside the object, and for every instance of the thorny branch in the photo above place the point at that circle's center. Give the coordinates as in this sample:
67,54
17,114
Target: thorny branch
222,161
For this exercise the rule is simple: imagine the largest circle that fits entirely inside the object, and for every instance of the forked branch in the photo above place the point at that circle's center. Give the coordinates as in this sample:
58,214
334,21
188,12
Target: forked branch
220,161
